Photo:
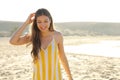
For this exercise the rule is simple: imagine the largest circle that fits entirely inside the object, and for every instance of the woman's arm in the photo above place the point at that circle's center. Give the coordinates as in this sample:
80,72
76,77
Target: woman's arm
63,57
17,38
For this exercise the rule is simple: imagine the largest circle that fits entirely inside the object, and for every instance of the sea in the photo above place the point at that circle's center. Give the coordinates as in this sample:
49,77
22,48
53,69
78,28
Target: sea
107,48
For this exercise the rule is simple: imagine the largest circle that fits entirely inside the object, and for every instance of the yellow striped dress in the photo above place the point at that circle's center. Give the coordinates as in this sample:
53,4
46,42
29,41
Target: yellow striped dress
47,67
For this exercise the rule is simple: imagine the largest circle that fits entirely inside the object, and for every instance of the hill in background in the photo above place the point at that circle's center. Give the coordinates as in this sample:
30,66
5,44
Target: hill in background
89,28
70,28
8,27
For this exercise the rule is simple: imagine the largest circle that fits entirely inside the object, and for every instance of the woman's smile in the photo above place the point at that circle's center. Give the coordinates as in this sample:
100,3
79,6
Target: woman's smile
43,28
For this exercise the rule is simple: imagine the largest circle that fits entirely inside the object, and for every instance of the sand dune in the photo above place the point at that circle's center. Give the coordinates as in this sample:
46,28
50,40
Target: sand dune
16,64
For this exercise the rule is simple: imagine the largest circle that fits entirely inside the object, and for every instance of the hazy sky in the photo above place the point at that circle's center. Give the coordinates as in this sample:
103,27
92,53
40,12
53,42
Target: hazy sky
63,10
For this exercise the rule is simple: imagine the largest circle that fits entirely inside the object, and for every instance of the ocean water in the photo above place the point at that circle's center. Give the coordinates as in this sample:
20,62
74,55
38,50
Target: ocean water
108,48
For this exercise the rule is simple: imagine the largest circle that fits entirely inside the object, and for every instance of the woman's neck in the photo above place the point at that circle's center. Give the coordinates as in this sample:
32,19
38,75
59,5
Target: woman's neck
45,34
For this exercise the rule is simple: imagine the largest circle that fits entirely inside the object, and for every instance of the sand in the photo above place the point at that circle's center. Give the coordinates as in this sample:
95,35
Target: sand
16,64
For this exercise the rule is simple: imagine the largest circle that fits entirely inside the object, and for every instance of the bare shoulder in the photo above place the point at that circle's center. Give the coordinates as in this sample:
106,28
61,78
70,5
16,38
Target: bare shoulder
57,33
58,36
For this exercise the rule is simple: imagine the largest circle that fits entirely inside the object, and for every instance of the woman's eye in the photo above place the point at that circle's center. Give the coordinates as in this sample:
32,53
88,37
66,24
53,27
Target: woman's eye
38,22
46,21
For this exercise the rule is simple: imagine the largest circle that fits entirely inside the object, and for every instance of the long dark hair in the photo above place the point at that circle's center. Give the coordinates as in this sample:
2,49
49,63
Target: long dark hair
36,34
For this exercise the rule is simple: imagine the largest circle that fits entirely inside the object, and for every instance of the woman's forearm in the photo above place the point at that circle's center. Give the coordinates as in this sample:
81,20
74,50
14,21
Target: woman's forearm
66,66
16,36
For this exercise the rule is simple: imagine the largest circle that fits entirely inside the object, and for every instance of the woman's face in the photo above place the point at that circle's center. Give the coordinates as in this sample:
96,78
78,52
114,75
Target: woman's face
43,23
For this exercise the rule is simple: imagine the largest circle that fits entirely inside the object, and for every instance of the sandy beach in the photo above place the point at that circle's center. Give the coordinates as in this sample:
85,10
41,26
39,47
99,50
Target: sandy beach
16,63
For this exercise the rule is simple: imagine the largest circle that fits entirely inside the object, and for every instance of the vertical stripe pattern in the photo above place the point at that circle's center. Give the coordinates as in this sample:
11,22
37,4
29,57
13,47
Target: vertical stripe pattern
47,67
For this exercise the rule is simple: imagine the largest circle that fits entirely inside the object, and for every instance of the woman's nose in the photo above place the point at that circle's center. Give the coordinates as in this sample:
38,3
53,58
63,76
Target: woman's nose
43,24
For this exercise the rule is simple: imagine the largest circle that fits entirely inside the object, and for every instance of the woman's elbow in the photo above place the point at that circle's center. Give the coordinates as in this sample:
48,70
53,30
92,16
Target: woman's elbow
12,42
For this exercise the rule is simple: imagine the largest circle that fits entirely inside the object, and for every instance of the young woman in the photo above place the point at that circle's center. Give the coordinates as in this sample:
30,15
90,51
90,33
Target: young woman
47,46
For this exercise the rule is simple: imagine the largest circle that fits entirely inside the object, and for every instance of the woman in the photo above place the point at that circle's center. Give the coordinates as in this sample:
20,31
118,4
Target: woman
47,46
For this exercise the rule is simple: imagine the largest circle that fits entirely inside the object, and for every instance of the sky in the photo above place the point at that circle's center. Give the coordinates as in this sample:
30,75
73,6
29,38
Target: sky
63,10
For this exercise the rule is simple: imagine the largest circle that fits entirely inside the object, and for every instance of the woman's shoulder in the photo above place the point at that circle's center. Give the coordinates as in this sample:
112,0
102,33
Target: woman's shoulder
58,36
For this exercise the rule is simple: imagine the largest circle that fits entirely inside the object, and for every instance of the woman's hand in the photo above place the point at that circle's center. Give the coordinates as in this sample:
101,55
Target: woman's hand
30,18
70,78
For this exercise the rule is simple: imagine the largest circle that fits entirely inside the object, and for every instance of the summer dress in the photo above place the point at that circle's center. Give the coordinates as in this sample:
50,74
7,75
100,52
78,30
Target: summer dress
47,67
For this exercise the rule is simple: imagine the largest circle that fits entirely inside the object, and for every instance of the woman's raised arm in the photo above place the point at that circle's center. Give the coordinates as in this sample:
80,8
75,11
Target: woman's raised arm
17,38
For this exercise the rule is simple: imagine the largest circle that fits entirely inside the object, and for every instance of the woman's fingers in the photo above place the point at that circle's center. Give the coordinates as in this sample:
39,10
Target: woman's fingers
30,18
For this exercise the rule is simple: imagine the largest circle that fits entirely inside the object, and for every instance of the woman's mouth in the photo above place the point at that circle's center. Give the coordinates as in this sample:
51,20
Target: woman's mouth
43,28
